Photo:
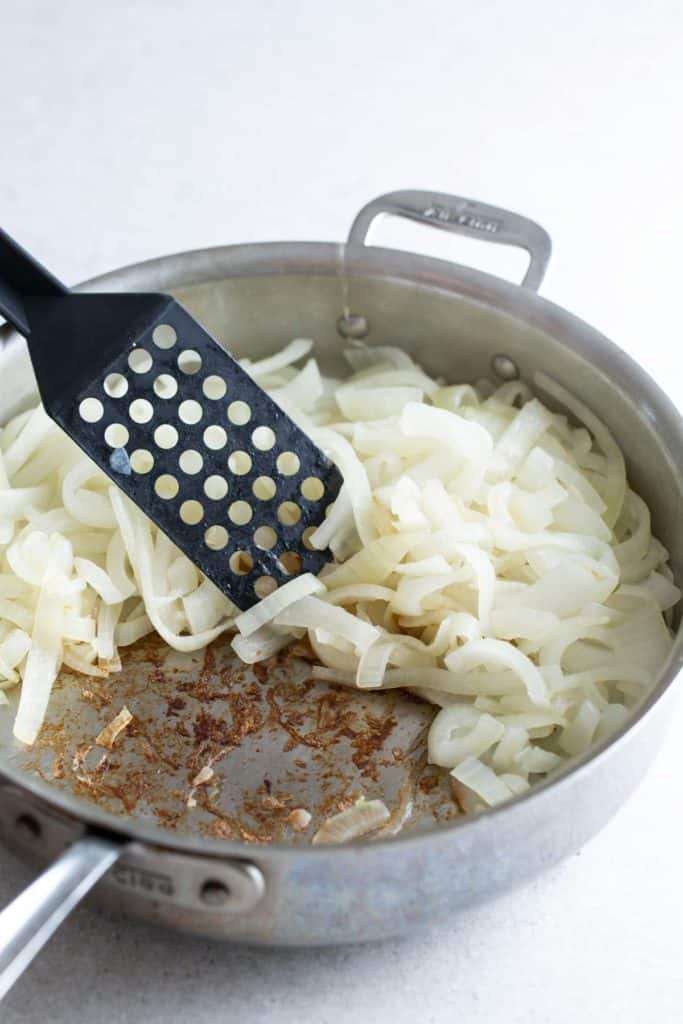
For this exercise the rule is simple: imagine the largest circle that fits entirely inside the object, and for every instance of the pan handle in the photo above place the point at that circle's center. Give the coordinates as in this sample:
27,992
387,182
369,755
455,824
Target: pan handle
29,921
462,217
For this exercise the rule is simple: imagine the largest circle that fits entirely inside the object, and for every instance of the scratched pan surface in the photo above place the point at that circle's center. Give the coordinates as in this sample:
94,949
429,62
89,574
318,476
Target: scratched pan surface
274,738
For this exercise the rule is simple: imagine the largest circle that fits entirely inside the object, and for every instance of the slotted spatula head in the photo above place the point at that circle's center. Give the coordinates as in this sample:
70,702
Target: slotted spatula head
177,423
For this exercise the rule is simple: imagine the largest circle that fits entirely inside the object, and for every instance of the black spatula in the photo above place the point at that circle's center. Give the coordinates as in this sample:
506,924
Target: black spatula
177,423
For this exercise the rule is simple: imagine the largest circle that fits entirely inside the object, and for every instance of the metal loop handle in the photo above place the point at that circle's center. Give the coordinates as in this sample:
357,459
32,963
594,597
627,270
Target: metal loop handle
29,921
462,217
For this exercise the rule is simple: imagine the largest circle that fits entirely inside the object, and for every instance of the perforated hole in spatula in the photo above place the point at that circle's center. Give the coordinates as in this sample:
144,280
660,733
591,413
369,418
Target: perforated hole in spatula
209,457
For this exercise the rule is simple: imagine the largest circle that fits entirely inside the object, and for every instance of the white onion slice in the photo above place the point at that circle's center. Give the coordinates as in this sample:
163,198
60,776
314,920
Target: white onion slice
312,613
99,580
259,645
482,781
461,731
365,816
484,653
615,484
267,609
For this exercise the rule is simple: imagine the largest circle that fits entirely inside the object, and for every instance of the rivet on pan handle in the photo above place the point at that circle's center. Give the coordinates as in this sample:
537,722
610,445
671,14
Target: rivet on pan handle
219,885
462,217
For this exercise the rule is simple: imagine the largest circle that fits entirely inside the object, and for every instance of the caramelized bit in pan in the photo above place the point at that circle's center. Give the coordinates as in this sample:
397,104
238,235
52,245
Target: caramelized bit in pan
107,737
203,776
280,749
365,816
299,819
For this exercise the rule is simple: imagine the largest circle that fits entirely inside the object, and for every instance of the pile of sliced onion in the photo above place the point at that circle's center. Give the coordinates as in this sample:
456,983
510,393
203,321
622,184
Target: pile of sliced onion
488,554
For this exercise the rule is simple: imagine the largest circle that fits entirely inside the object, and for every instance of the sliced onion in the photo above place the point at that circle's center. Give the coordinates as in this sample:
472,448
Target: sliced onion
615,484
482,781
497,653
271,606
259,645
99,580
461,731
312,613
365,816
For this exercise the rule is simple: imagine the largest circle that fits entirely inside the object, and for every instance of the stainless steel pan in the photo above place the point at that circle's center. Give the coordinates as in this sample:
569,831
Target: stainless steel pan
231,867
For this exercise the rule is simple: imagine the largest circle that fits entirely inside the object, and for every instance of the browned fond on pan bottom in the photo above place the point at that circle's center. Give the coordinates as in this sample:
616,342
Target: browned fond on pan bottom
267,739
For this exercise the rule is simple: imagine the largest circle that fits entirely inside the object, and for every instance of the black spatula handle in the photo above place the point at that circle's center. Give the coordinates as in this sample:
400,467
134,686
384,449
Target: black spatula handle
21,278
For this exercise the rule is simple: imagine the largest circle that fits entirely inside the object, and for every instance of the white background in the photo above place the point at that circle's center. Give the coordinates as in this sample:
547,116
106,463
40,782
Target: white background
130,130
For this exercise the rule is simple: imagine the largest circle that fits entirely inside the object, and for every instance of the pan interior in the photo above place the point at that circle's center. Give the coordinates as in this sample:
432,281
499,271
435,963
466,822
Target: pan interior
274,739
268,739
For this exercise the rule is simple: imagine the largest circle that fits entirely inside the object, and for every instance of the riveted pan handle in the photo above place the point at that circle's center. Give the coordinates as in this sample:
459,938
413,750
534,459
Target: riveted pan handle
462,217
29,921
